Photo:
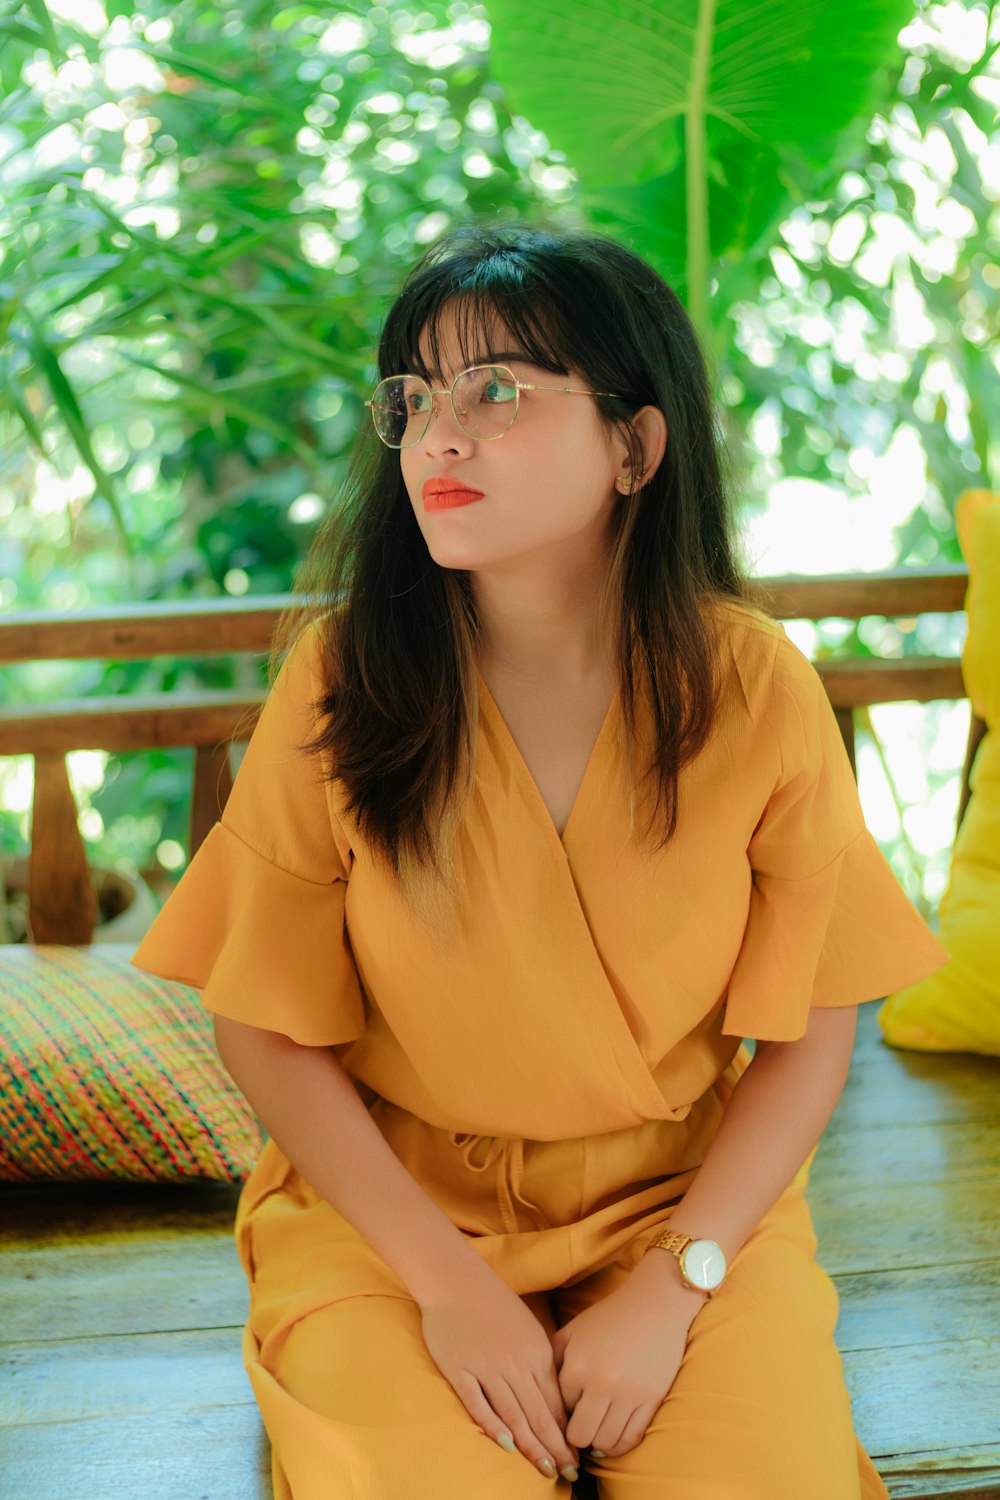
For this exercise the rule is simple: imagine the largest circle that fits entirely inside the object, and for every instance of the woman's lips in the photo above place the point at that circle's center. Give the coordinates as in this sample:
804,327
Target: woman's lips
450,499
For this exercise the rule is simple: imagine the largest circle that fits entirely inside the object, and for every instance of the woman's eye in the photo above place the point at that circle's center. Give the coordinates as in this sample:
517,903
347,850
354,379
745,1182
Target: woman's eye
499,391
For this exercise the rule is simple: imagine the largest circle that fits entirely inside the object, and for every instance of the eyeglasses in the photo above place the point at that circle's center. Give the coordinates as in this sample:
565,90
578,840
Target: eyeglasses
484,399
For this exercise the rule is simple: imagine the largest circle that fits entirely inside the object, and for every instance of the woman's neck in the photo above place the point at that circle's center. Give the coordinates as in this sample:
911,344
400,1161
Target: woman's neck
545,632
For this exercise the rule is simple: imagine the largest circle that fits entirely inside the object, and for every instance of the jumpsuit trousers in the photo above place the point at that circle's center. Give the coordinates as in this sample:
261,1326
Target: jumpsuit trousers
356,1409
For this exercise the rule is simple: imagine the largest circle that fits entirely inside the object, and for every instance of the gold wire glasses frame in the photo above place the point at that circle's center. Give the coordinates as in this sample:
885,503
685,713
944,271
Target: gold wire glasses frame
518,385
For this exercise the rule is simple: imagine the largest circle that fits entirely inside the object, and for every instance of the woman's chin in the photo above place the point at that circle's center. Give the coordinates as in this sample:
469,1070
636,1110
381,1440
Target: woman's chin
448,555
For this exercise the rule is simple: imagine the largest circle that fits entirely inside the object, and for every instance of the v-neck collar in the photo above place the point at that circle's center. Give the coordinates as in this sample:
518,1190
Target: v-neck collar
521,766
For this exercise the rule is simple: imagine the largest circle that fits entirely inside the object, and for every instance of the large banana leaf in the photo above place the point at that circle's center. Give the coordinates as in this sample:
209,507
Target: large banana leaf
686,119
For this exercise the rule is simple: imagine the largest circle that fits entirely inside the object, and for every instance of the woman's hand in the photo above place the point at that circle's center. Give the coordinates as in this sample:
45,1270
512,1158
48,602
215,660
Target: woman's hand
497,1358
618,1359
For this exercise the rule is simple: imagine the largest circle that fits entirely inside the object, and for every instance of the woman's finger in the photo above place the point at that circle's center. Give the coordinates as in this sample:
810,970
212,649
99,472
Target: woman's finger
473,1399
507,1406
590,1416
547,1415
552,1396
630,1436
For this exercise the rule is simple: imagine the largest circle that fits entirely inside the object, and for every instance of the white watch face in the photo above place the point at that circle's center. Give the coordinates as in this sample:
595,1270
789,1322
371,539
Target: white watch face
704,1264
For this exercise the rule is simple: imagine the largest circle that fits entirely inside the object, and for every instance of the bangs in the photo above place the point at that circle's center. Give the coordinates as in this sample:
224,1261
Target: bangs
486,322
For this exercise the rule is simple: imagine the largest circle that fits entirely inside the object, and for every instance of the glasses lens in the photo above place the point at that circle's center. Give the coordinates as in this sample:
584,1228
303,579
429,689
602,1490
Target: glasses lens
486,399
399,407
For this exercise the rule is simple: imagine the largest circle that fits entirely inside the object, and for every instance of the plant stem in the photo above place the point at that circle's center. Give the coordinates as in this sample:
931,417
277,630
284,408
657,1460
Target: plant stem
696,170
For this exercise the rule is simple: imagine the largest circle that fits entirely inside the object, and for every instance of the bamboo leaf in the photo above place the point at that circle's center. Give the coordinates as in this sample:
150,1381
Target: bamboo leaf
255,307
43,21
183,63
20,30
211,396
69,409
18,401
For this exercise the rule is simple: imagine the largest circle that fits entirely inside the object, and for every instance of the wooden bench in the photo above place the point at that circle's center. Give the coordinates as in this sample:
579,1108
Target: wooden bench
120,1367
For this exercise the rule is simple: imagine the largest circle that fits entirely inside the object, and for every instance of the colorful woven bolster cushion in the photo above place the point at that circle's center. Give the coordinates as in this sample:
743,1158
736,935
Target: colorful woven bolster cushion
957,1009
107,1072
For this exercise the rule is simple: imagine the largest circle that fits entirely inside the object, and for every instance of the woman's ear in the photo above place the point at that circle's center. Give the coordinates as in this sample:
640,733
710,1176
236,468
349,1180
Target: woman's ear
651,425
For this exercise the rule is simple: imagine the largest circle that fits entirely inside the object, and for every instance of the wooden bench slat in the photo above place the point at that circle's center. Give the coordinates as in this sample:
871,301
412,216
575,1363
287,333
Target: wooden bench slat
131,722
206,716
920,679
172,627
892,592
201,627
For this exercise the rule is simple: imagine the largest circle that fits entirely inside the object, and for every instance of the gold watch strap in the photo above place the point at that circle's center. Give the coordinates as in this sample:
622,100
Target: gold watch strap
672,1240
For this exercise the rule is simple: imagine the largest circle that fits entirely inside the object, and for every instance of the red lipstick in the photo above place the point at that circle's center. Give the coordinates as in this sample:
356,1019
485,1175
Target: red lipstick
445,494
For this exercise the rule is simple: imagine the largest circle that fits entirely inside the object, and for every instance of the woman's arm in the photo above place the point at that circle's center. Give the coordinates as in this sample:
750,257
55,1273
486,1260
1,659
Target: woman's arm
775,1116
310,1107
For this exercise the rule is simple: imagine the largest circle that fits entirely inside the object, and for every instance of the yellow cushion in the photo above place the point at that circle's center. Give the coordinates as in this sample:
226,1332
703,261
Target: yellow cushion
957,1009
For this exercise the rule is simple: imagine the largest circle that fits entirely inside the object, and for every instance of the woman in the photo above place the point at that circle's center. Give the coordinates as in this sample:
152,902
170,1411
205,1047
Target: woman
542,819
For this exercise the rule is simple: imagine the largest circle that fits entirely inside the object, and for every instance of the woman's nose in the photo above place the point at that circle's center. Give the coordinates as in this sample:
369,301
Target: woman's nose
443,423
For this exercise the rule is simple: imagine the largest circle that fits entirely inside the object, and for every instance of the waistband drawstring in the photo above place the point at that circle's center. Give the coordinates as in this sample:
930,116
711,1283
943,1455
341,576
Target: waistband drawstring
509,1151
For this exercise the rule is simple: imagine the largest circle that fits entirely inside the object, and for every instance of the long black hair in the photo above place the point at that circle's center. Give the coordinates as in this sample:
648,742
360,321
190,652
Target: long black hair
399,721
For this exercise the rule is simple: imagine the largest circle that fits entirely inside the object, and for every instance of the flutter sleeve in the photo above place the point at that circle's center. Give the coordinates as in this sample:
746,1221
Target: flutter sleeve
256,921
828,923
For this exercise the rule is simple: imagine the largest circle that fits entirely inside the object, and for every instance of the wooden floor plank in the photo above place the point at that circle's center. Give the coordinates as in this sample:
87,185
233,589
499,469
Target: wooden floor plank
154,1286
949,1474
922,1305
884,1228
908,1408
911,1152
120,1367
131,1376
201,1453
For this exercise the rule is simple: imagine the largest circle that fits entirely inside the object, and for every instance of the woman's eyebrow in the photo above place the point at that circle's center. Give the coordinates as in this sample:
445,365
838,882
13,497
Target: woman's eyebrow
492,359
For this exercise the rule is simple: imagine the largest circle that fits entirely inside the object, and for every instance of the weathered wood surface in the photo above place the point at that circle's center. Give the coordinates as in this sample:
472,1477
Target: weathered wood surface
206,716
120,1365
210,720
905,1195
136,721
200,627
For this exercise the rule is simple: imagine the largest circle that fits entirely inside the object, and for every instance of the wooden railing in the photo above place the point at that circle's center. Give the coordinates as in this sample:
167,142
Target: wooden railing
60,894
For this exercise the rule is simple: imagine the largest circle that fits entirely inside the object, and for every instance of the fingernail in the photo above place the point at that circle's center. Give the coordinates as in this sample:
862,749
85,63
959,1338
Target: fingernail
547,1467
596,1453
568,1471
506,1442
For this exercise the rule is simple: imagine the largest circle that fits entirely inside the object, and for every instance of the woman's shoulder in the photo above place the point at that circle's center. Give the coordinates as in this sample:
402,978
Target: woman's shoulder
748,642
308,650
776,679
745,620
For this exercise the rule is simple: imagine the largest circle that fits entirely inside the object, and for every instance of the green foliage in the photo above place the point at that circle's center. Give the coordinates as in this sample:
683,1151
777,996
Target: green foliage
702,124
207,212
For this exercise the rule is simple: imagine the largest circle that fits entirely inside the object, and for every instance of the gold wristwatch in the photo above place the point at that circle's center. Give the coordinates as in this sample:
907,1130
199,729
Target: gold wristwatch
702,1262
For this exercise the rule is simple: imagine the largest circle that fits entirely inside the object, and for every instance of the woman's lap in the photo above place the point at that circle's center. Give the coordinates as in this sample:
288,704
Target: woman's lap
374,1417
758,1410
356,1408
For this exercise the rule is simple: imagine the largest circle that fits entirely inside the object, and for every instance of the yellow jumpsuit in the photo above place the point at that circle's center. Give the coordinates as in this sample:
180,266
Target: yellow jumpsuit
552,1076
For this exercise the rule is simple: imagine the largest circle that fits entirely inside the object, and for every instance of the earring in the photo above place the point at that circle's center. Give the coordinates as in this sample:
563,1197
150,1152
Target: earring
626,480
